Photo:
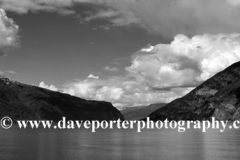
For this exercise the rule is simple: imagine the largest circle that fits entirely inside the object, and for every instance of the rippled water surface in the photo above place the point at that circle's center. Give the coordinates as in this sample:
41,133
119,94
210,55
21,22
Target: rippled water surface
16,144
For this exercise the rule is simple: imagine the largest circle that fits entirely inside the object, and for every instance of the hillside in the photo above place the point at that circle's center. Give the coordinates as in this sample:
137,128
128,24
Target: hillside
21,101
219,96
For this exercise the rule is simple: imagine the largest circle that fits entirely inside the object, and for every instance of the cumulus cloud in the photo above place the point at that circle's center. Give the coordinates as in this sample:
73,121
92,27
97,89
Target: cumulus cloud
122,91
8,33
164,17
113,69
49,87
164,72
93,77
185,61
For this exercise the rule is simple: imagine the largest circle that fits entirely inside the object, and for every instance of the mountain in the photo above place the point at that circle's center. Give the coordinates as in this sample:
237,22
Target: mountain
140,112
20,101
217,97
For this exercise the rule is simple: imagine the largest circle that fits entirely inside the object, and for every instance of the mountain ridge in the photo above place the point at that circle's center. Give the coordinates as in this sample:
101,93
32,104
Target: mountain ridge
21,101
203,102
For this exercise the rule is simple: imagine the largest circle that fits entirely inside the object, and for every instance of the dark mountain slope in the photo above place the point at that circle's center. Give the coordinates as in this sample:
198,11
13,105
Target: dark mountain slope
219,96
21,101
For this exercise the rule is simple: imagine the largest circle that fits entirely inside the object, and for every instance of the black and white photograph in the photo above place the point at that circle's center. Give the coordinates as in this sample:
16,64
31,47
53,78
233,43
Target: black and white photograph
119,79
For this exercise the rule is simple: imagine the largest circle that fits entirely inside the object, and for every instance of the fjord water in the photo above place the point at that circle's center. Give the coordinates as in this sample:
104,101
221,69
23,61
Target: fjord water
16,144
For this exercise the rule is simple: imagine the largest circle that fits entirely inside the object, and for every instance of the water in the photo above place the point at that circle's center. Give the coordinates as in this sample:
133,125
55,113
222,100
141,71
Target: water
116,144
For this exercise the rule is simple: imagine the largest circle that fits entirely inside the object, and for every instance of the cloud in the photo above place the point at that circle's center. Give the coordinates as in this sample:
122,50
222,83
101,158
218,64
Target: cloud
185,61
11,72
113,69
118,61
8,72
116,17
171,17
8,33
49,87
122,91
163,17
24,6
163,72
147,49
93,77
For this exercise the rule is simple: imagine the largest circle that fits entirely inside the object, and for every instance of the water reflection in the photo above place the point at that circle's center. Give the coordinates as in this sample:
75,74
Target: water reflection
222,145
118,144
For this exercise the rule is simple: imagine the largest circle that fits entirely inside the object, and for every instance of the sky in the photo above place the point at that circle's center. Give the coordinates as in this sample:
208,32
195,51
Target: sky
127,52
